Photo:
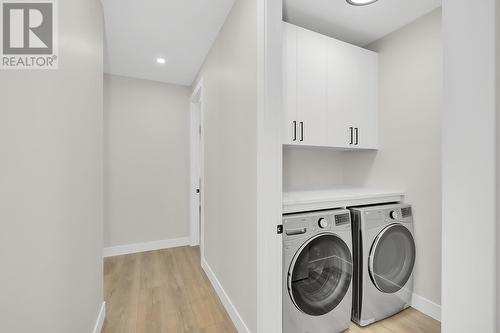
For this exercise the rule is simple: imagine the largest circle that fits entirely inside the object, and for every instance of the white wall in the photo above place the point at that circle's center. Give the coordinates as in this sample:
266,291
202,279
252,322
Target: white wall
311,169
409,159
469,167
51,184
230,176
146,127
497,31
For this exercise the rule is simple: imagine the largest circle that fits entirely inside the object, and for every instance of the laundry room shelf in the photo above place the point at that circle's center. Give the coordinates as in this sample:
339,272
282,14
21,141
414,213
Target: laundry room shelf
339,197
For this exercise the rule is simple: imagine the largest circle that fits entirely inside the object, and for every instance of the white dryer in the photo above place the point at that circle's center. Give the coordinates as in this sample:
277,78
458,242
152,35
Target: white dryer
384,257
317,272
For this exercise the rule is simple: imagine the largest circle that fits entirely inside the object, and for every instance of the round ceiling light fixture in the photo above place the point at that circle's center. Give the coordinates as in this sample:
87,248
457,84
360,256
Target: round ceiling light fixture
161,61
361,2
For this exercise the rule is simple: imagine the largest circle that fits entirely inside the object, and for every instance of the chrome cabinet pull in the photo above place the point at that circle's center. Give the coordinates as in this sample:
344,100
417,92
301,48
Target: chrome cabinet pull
357,136
301,131
352,135
294,130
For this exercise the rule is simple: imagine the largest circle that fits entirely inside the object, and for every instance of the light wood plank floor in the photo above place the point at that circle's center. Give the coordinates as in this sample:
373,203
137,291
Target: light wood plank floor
167,291
161,291
408,321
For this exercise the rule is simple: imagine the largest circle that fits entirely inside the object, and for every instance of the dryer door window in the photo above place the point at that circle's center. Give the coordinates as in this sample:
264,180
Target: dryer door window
392,258
320,274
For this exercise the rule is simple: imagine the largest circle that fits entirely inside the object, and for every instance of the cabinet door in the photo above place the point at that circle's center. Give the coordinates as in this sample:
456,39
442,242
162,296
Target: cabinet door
290,125
352,96
340,115
366,105
312,53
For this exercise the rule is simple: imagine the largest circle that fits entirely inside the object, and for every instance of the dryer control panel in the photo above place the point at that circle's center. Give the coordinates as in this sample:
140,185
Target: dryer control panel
375,216
303,224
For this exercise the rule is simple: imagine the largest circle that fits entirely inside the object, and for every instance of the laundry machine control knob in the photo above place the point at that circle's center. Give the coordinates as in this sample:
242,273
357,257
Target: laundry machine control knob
393,214
323,223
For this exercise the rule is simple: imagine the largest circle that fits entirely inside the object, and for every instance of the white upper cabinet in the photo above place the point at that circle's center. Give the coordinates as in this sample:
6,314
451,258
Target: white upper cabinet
312,59
330,91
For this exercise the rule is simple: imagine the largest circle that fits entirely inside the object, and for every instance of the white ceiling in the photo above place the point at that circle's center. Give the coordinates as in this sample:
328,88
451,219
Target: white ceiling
182,31
359,25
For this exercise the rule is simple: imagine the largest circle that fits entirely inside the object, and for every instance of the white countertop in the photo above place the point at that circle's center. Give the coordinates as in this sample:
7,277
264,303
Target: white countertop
338,197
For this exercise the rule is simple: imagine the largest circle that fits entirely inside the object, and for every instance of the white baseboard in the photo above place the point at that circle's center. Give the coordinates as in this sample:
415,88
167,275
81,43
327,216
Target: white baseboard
427,307
144,247
226,301
100,319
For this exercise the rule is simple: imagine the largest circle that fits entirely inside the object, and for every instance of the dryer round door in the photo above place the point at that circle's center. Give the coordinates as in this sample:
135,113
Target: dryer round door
320,274
392,258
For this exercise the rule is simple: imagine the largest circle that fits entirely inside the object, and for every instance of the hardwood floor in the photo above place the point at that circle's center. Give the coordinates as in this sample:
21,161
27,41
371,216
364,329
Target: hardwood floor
161,291
408,321
167,291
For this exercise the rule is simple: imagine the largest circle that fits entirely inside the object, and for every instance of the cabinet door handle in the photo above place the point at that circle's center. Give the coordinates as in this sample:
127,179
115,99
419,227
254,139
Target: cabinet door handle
294,130
301,131
352,135
357,136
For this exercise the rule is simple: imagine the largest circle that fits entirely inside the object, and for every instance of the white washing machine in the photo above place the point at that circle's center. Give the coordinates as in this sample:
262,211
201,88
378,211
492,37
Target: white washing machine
317,272
384,257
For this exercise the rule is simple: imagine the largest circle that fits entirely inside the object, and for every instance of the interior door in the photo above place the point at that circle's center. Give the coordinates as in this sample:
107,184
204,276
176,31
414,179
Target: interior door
392,258
312,53
320,275
195,171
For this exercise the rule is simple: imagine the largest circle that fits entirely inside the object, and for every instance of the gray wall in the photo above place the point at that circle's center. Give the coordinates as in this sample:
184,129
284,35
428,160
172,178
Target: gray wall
230,126
146,129
51,184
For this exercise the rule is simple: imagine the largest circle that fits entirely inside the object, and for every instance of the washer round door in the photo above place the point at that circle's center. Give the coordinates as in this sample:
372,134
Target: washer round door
392,258
320,274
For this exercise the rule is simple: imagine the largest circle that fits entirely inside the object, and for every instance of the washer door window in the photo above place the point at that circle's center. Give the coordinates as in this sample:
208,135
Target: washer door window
320,274
392,258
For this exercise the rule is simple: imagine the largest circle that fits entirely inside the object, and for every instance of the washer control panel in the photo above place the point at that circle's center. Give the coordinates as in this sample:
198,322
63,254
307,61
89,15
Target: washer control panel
342,219
322,223
304,224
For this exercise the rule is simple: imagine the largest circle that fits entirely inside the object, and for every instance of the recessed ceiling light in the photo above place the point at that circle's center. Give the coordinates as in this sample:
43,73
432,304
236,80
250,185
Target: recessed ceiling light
360,2
161,61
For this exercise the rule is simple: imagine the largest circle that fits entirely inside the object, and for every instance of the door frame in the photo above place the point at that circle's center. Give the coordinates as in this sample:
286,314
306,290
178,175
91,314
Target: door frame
269,165
196,158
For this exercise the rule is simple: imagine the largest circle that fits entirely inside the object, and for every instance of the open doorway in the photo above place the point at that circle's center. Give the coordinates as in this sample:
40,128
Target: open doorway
196,168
